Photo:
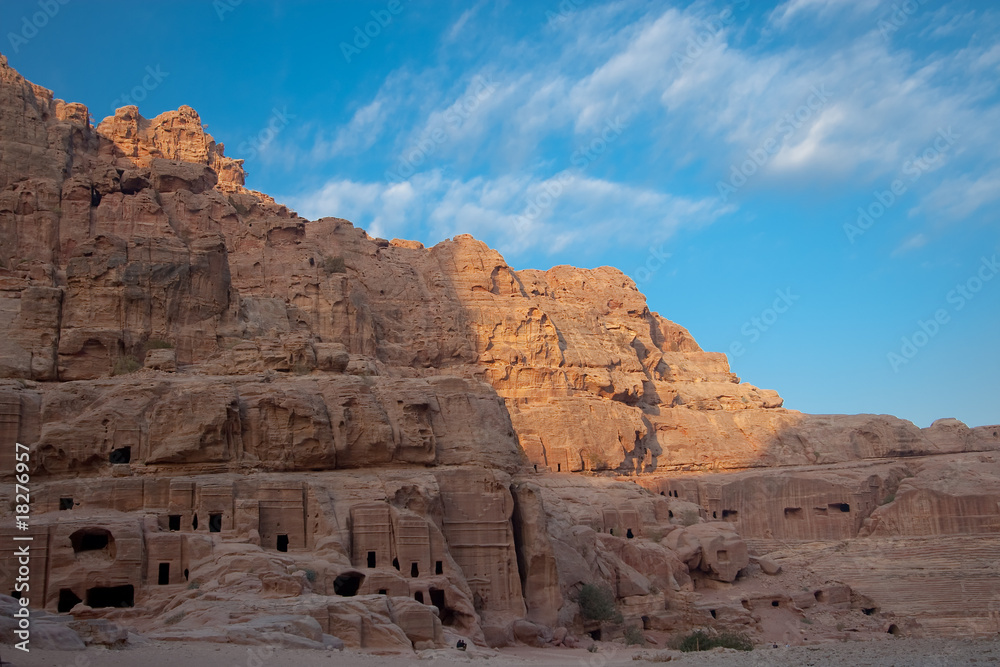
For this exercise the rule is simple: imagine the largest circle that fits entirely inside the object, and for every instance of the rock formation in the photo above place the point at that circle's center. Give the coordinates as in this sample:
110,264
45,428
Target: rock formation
246,426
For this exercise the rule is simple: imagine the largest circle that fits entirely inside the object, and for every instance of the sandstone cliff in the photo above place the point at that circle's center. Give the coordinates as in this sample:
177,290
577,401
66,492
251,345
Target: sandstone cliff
238,416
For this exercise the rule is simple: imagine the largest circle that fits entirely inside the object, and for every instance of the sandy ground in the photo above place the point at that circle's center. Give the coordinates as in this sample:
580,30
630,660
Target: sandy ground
885,653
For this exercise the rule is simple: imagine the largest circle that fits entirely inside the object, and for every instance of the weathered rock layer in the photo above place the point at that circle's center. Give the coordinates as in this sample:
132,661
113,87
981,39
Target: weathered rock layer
244,424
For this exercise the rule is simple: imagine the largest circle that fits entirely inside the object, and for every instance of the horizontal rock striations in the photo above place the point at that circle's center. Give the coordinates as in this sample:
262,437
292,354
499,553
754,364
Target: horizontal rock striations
246,426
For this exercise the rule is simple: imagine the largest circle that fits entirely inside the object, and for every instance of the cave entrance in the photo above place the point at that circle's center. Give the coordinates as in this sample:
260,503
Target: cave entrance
437,599
91,539
120,455
347,584
111,596
419,596
163,576
371,559
595,635
439,567
282,544
414,570
215,523
174,522
67,600
65,503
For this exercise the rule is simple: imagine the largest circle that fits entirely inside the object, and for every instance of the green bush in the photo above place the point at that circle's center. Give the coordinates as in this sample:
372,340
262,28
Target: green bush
699,640
633,636
125,364
334,265
598,604
311,575
157,344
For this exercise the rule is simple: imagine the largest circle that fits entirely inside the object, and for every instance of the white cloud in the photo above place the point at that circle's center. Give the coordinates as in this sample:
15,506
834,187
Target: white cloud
788,11
957,199
512,214
911,243
689,92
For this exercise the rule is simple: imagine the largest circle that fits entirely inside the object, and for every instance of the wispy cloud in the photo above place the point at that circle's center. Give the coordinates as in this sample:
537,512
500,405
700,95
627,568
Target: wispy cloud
359,134
691,92
911,243
435,207
791,10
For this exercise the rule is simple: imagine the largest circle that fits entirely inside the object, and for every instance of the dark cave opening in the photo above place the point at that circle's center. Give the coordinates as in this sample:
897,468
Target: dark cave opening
111,596
347,584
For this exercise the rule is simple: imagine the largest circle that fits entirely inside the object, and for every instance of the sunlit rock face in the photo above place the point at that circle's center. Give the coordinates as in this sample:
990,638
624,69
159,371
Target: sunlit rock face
244,424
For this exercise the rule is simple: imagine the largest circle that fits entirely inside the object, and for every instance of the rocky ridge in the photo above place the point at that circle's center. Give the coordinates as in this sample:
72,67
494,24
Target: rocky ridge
246,426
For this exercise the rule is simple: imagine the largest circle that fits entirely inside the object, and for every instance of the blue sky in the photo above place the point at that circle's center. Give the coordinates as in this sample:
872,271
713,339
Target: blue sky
718,153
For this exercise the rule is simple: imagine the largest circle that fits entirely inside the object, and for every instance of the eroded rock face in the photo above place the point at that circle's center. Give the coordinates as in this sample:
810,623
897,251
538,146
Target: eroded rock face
245,426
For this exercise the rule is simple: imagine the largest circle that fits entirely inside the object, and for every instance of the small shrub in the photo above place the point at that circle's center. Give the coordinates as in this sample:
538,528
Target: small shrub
633,636
598,604
592,648
334,265
157,344
194,585
690,517
311,575
888,499
125,364
175,618
699,640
